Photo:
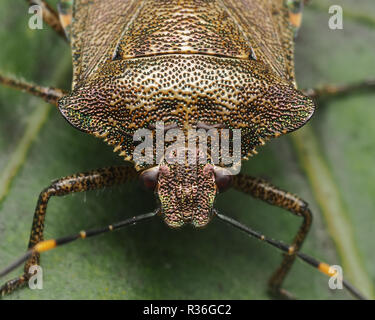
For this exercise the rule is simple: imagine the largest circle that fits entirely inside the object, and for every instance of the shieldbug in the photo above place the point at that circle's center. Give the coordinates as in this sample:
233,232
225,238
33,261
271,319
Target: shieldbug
120,53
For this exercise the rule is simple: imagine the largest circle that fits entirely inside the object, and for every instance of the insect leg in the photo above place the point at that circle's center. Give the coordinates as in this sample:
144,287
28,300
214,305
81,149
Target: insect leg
265,191
321,266
50,16
96,179
335,90
48,94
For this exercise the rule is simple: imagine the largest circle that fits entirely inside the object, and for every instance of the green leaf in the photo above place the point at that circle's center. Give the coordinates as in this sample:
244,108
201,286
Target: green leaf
151,261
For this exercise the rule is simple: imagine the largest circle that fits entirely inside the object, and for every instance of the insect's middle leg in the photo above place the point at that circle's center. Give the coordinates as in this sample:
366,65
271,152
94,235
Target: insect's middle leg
48,94
265,191
96,179
336,90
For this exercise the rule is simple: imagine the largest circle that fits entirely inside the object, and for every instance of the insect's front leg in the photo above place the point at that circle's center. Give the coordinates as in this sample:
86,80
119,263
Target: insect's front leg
265,191
50,16
96,179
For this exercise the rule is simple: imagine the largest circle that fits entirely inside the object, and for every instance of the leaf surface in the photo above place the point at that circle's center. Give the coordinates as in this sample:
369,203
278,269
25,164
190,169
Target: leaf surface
150,261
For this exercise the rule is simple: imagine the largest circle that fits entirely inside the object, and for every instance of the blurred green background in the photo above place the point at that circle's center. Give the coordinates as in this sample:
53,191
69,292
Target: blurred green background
151,261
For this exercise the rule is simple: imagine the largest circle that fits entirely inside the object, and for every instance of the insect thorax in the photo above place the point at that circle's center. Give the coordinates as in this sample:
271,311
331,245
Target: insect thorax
185,90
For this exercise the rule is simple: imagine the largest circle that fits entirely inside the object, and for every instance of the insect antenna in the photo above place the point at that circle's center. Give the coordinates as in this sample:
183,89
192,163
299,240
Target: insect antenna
47,245
321,266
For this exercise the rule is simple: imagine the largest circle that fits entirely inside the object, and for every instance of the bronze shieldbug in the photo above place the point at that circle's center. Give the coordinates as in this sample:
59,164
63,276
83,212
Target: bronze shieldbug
190,234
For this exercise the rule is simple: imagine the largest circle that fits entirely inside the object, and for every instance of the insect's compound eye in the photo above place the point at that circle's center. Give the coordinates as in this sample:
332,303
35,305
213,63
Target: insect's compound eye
149,178
223,178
